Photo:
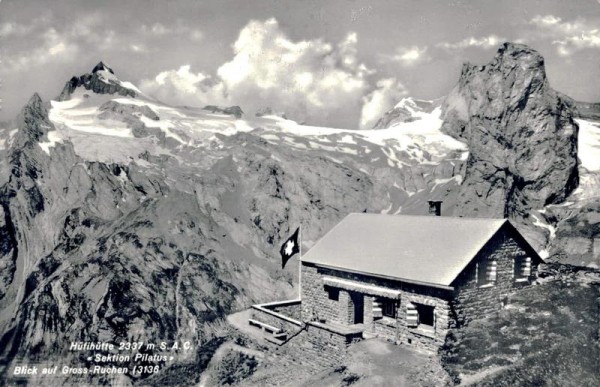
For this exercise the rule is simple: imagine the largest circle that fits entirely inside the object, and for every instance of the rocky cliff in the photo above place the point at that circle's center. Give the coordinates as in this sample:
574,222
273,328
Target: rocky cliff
521,134
123,219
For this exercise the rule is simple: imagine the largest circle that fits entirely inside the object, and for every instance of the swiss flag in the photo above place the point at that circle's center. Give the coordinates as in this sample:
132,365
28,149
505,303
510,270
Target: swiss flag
290,247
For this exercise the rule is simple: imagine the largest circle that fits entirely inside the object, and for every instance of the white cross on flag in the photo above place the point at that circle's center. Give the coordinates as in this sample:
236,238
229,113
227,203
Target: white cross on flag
290,247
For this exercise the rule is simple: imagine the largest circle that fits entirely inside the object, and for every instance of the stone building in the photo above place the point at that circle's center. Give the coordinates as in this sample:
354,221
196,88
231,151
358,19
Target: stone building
407,279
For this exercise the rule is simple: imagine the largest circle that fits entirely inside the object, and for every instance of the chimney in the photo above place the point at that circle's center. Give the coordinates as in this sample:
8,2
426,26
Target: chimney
435,207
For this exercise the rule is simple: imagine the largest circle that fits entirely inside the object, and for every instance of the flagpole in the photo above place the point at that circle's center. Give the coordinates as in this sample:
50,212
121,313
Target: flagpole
300,265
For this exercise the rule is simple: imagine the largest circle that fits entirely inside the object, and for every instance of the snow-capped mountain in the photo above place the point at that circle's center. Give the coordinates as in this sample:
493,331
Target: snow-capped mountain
124,218
106,127
185,205
408,110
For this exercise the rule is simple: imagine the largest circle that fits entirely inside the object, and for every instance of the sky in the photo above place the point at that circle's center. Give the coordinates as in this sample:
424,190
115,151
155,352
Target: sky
339,63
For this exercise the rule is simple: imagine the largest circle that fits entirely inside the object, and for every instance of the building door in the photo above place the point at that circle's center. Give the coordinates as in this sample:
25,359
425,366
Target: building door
358,300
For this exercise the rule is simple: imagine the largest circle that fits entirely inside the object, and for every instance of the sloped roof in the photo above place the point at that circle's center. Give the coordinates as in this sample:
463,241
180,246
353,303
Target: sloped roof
429,249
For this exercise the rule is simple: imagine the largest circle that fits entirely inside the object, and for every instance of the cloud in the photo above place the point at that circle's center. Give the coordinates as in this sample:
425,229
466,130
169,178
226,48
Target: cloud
51,47
486,42
547,20
408,56
568,37
14,29
183,87
310,80
139,48
387,94
177,29
57,49
42,41
156,29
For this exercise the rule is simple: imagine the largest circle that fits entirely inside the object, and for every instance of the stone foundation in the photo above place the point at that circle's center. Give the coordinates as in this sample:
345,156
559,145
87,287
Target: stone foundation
316,342
319,347
329,340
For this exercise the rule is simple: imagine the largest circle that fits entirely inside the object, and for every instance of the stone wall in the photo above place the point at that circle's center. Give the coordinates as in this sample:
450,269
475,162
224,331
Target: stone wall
368,314
290,308
472,300
386,328
315,303
316,306
418,337
345,307
275,319
320,346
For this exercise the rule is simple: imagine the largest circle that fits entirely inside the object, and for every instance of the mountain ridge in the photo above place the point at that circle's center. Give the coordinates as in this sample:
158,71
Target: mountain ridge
110,191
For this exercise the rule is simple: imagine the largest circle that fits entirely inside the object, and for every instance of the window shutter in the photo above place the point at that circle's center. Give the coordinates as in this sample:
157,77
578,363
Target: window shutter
412,316
377,309
491,271
526,267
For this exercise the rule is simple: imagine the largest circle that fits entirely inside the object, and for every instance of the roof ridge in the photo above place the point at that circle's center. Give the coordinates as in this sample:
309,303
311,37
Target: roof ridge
425,216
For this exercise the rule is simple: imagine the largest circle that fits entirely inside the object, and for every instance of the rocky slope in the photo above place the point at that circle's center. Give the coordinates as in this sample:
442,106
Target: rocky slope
123,218
126,219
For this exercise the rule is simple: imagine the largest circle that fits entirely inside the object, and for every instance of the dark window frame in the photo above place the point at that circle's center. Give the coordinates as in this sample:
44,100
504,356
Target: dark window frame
519,263
333,294
483,274
427,311
388,308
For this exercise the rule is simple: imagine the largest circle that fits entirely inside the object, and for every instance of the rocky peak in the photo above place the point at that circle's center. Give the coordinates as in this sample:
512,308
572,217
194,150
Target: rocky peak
510,57
407,110
102,80
521,135
35,102
102,67
33,122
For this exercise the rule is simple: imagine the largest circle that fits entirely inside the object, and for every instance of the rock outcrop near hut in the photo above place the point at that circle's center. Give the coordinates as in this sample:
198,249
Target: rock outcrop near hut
123,218
521,135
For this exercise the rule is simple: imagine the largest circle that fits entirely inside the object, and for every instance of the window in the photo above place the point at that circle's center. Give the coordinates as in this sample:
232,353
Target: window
425,315
420,316
384,307
522,267
389,308
487,272
332,293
